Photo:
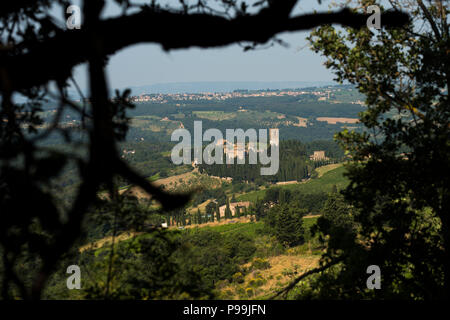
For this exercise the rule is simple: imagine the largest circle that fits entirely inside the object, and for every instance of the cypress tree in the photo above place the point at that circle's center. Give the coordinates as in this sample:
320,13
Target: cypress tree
217,212
237,212
289,226
227,210
199,217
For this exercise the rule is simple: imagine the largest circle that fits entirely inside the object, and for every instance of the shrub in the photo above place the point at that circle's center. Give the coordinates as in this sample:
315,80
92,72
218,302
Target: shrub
260,264
288,272
238,277
257,281
241,292
228,294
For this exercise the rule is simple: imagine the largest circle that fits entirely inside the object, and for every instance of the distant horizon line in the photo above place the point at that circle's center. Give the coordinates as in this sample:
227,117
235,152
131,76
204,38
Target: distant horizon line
215,86
222,86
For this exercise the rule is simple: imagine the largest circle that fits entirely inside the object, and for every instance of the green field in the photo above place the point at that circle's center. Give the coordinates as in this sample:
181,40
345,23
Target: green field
214,115
251,229
322,184
309,222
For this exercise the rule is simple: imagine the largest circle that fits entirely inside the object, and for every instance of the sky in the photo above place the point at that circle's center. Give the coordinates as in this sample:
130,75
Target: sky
147,64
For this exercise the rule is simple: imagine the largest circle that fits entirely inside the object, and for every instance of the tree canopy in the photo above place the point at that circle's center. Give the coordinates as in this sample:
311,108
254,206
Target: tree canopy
399,191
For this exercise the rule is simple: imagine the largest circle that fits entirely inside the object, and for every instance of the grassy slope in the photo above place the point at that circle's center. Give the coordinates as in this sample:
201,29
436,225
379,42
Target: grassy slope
283,267
322,184
324,169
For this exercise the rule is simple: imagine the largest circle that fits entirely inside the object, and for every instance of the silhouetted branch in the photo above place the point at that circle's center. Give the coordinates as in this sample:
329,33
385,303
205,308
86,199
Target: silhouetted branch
54,58
169,201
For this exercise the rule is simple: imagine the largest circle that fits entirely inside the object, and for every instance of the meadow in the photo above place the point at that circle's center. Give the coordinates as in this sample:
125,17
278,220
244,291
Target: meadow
323,184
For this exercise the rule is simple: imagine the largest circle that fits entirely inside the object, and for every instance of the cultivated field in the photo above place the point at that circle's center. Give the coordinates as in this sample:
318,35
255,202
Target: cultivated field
302,122
332,120
324,169
215,115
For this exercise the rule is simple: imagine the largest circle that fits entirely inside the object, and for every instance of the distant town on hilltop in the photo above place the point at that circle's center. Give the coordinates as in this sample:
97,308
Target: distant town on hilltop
325,93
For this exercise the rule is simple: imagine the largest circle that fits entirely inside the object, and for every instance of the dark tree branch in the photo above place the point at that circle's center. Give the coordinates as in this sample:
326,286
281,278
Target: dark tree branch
430,19
54,59
168,200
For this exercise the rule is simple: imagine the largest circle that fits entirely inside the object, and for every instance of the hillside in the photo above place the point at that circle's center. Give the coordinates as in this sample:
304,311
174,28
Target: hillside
325,183
261,274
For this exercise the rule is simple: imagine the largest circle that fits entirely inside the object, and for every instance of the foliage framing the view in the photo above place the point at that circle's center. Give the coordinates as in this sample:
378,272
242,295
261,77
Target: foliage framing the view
399,185
37,60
